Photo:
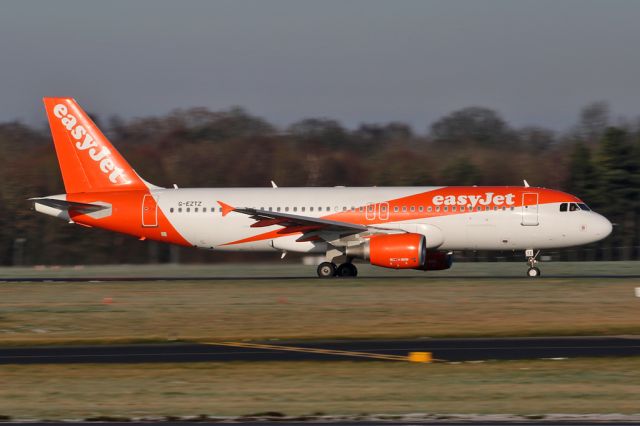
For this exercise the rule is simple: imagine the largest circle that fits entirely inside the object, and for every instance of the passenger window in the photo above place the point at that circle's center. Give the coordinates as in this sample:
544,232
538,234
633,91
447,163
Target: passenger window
396,209
270,209
195,210
188,209
404,209
179,209
512,208
302,209
278,208
421,208
437,209
361,208
453,208
461,208
383,208
286,209
310,209
171,209
429,209
495,208
446,209
295,209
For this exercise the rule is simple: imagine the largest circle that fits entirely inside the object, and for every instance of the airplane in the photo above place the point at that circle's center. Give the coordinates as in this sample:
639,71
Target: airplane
390,227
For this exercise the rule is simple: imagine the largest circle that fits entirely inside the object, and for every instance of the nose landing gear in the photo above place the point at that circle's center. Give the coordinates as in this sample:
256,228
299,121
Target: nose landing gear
533,271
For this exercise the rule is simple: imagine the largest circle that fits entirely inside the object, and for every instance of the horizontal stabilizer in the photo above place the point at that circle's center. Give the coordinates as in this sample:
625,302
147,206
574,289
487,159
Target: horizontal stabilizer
69,205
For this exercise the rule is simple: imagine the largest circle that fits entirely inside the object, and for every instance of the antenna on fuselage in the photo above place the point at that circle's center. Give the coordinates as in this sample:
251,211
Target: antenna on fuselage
273,184
526,184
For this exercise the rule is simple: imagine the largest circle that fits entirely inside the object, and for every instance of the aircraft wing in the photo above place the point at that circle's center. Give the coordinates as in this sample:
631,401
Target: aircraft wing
294,223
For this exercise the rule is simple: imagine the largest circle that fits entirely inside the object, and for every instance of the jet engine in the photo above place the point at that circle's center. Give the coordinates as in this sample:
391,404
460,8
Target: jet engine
400,251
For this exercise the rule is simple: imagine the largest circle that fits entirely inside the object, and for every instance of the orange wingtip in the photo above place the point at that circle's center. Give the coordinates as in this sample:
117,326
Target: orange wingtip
226,208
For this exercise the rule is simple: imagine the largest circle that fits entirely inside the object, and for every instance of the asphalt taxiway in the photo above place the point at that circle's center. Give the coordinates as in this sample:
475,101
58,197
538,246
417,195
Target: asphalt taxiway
451,350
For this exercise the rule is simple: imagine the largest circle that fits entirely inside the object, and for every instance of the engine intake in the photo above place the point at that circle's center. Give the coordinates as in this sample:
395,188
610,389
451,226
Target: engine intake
437,261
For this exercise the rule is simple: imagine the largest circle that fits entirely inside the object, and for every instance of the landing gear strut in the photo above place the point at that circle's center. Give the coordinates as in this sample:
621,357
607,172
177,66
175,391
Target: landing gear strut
533,271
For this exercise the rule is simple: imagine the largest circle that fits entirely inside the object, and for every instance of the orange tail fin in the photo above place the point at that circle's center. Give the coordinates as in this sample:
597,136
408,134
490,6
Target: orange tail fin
87,159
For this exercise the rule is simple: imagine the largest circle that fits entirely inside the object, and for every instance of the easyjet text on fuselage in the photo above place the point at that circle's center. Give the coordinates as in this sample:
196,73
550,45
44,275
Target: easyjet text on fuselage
486,199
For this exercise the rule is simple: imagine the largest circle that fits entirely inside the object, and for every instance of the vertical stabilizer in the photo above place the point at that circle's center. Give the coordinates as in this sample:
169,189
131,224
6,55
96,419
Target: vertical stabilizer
88,161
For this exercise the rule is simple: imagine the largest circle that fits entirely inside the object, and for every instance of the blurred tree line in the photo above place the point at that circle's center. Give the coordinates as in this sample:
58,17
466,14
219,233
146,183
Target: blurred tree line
597,159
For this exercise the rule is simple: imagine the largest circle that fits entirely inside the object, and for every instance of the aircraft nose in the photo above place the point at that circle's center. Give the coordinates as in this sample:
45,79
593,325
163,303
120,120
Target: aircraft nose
601,227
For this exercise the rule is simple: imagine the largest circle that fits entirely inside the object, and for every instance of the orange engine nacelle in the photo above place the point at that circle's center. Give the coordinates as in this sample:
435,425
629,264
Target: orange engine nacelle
398,251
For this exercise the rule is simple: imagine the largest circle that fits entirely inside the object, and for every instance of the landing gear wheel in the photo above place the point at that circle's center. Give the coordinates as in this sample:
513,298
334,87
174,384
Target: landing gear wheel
533,272
347,270
326,270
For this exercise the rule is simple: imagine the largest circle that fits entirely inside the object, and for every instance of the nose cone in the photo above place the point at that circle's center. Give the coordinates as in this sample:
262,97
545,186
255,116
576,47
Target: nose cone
600,227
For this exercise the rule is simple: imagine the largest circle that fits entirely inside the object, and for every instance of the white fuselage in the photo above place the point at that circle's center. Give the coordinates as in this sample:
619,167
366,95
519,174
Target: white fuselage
504,228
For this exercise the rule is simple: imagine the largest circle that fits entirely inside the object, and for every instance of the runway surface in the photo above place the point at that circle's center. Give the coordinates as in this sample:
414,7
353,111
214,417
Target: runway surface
392,350
305,277
343,423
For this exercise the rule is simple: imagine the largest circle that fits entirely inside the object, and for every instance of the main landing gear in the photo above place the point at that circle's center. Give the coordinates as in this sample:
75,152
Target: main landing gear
533,271
330,270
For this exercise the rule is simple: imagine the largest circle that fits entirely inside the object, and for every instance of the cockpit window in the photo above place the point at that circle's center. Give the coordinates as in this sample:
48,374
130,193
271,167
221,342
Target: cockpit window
574,207
584,207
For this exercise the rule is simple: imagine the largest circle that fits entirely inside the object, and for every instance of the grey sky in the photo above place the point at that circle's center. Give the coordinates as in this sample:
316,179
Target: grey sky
536,62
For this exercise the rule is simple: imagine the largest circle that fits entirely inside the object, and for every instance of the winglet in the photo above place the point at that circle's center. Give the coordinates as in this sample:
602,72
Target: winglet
226,208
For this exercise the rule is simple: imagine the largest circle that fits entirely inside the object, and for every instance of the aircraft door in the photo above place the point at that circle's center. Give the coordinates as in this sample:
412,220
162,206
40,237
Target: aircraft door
530,209
149,211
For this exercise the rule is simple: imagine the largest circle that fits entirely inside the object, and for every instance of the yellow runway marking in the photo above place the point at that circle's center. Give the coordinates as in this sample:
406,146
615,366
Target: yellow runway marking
310,350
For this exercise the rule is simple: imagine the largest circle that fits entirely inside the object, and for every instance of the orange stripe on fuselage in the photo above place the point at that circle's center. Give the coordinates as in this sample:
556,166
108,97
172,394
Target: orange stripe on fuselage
426,199
126,216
